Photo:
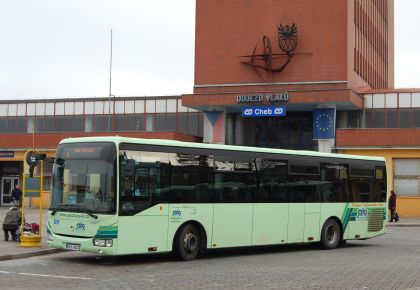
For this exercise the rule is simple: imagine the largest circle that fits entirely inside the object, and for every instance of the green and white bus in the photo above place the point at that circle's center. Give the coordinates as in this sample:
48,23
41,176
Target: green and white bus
120,196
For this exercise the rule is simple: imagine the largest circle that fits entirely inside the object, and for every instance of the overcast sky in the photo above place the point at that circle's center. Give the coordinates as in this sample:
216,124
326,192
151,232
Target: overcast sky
57,48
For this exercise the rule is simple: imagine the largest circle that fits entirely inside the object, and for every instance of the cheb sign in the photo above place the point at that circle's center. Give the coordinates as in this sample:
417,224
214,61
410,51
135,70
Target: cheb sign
269,111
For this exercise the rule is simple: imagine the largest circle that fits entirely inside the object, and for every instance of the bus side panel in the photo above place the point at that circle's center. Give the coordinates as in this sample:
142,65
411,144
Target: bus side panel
367,220
296,222
232,225
270,223
337,210
141,232
312,215
181,213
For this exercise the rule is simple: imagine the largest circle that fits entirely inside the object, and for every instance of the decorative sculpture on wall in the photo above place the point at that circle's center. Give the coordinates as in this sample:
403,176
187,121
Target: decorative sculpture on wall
274,62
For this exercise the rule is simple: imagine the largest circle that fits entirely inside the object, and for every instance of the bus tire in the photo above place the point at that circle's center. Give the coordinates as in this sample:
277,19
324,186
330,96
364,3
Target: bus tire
330,234
187,243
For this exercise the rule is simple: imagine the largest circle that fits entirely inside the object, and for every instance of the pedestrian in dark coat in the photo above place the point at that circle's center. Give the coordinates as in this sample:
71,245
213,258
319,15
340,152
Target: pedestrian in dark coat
392,206
12,223
17,196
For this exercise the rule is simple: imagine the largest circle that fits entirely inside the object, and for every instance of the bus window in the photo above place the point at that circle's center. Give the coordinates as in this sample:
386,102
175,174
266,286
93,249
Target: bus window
379,188
145,181
362,176
191,178
84,177
303,181
334,182
361,190
234,180
272,176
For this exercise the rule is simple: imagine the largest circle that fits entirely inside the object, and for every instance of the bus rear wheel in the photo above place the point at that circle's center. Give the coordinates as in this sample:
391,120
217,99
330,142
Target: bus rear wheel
330,235
187,243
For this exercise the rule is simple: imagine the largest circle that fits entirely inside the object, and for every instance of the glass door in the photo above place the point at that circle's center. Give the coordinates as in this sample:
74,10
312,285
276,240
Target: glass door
7,185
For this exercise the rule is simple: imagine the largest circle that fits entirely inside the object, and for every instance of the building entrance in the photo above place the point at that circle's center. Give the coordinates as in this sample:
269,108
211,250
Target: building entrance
7,185
291,132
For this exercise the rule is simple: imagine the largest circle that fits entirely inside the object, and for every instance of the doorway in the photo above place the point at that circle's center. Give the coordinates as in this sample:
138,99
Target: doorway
7,185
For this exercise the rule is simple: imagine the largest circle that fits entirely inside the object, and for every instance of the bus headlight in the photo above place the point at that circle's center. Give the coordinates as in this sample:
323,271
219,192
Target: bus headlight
50,237
102,243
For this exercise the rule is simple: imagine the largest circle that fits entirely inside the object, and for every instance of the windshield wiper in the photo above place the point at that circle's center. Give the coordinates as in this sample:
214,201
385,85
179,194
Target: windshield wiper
61,207
76,208
88,211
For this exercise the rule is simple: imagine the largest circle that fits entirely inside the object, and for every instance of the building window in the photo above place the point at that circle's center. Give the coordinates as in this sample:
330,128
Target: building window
407,177
150,118
416,118
405,116
148,115
171,121
160,124
125,123
139,122
391,118
183,122
100,123
88,123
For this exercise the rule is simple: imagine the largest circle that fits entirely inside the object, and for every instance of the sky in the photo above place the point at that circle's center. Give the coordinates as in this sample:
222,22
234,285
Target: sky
61,49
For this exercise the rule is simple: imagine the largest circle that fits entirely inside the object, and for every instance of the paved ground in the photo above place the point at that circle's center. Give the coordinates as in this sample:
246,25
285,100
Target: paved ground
10,249
387,262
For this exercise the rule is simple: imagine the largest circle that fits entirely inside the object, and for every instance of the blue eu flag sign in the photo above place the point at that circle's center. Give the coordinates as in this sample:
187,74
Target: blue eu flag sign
324,123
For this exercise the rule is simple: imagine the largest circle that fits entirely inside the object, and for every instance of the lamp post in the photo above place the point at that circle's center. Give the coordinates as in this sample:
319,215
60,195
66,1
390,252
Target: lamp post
110,83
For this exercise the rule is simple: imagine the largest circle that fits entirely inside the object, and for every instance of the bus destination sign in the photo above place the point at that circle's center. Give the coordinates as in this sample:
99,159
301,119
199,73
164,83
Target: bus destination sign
82,152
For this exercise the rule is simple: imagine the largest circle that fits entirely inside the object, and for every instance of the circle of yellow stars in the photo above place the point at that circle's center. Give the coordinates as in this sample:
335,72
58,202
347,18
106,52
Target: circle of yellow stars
318,121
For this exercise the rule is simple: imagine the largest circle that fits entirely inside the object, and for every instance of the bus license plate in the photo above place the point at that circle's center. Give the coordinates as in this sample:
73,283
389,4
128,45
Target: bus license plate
73,247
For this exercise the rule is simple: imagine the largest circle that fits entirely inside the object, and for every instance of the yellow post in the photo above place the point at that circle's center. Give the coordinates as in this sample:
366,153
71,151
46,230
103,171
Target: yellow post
30,240
40,199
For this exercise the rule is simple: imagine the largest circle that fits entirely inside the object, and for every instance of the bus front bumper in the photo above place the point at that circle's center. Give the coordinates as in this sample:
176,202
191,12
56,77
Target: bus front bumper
82,244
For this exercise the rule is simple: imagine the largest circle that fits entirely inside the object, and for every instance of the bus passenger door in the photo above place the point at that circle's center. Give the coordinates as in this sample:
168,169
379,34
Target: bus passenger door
143,221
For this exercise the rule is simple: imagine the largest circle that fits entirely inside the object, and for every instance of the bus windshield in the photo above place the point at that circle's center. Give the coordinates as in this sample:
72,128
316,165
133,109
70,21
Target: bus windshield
84,178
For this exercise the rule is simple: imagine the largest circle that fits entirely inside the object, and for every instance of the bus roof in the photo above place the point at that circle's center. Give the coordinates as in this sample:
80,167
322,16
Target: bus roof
164,142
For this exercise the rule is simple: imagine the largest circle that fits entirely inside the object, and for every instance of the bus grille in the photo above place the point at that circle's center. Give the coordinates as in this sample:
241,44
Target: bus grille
376,219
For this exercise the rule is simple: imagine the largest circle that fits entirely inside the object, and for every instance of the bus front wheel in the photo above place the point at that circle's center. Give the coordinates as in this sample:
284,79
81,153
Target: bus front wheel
187,243
330,234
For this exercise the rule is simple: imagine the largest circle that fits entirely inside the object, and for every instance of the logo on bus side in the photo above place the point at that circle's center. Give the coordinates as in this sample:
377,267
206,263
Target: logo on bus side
362,213
80,227
176,215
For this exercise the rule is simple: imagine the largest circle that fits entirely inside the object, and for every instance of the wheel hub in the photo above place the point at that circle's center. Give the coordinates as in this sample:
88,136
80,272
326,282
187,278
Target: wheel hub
331,235
190,242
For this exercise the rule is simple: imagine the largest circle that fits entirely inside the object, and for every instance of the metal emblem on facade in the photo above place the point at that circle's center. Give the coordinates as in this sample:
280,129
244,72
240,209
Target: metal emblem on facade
288,38
263,57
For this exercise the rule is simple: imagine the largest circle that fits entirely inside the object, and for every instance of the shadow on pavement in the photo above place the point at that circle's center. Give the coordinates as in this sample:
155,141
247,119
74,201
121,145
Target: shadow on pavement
211,254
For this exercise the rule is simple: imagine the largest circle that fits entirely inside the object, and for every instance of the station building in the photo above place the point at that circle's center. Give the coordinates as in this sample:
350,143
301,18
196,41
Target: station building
305,75
327,67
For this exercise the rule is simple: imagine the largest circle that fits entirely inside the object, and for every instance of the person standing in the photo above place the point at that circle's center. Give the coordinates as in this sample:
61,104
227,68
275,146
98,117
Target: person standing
392,206
17,196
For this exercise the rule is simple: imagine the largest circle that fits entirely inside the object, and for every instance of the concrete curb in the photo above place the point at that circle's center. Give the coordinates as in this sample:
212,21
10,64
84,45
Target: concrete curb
403,225
29,254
